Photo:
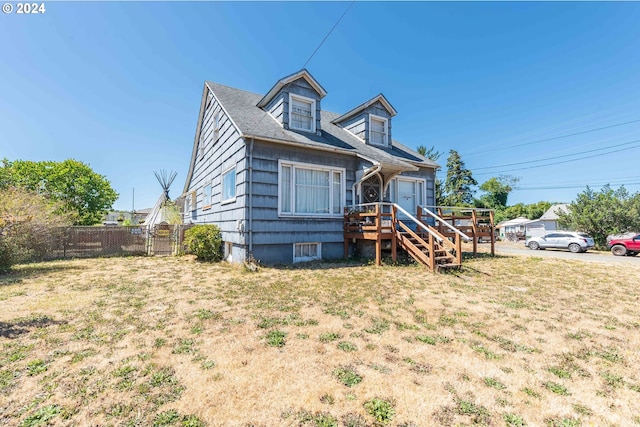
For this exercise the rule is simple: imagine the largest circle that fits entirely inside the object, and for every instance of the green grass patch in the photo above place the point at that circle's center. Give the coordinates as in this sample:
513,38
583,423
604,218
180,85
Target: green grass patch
347,375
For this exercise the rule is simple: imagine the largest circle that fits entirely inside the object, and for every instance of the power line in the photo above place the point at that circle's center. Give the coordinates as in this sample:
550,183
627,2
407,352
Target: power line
598,117
558,157
556,137
561,187
329,33
561,162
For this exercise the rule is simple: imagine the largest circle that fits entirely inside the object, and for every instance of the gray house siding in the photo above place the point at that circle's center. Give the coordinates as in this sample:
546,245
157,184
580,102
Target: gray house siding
274,235
217,151
359,124
278,107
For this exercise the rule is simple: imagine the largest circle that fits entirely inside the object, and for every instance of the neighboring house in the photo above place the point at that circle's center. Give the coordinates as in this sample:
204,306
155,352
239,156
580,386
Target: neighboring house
275,172
516,226
550,218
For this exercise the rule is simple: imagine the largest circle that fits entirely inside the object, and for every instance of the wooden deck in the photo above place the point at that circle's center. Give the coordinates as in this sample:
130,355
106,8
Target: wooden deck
434,240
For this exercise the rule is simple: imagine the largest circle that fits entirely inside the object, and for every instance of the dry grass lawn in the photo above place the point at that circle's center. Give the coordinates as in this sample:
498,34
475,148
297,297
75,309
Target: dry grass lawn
509,341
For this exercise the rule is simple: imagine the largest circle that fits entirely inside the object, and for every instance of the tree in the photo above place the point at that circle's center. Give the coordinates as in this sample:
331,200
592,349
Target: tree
434,155
82,193
430,153
457,190
29,224
496,192
602,213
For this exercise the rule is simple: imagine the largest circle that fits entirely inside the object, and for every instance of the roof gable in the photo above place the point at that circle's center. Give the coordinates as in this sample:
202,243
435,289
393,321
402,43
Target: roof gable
552,212
289,79
378,98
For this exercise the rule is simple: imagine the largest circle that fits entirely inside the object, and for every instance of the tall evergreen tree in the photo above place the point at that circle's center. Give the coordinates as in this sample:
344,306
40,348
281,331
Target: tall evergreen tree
457,190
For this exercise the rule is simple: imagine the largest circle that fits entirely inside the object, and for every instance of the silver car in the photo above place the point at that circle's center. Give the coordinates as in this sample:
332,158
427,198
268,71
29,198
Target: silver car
575,242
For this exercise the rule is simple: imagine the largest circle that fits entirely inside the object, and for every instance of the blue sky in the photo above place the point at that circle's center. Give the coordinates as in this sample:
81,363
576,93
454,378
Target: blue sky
117,85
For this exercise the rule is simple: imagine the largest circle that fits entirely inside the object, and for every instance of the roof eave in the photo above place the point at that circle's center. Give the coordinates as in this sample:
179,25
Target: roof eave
380,97
288,79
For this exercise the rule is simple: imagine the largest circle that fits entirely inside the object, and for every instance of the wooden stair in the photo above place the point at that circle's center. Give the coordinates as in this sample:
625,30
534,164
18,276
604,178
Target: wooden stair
426,249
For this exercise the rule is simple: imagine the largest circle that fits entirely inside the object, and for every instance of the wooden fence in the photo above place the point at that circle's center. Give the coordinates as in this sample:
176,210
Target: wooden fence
87,242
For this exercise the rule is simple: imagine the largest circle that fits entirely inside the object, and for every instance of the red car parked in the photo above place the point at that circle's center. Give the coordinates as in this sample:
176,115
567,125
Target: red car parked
629,244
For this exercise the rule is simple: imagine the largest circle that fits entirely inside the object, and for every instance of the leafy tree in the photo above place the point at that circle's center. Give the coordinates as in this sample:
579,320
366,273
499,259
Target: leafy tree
29,224
82,193
531,211
457,190
605,212
496,192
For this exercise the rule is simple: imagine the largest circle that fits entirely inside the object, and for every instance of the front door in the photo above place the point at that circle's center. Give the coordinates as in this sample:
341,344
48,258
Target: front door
407,195
371,190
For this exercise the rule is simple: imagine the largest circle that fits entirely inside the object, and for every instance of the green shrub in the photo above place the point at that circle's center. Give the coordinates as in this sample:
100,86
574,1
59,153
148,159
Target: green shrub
204,241
6,256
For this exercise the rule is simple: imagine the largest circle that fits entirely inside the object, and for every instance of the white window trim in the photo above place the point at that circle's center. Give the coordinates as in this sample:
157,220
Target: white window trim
206,206
190,203
386,130
293,96
307,259
329,169
231,199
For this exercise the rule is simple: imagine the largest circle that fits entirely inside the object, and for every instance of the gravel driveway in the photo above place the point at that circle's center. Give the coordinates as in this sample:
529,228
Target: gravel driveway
508,248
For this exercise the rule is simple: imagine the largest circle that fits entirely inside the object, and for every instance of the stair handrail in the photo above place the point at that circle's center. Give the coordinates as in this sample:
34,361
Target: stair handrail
451,227
461,208
420,224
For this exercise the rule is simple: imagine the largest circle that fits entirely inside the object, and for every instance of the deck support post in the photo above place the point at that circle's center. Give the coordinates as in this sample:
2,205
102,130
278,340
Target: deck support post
474,231
432,254
394,238
493,234
378,239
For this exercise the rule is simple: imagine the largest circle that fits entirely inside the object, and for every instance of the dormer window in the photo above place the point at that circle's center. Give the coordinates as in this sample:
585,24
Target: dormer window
302,113
378,130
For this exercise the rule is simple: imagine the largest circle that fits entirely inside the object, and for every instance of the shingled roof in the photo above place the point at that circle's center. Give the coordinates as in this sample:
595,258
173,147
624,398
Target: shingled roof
254,122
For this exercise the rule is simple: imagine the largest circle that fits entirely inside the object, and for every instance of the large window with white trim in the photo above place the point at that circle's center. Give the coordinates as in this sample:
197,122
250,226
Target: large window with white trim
378,130
229,185
310,190
302,113
407,192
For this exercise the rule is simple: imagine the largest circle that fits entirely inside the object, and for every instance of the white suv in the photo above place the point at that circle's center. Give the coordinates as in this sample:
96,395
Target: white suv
575,242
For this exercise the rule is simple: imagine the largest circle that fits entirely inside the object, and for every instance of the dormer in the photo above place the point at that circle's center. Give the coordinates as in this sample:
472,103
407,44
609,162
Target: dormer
294,102
370,121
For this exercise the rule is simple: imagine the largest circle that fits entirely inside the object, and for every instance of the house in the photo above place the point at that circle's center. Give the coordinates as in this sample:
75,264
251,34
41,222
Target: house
275,171
514,228
550,218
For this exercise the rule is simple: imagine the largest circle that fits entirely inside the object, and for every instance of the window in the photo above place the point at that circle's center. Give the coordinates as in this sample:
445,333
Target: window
309,190
217,120
229,185
302,113
206,196
377,130
190,202
307,252
201,146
